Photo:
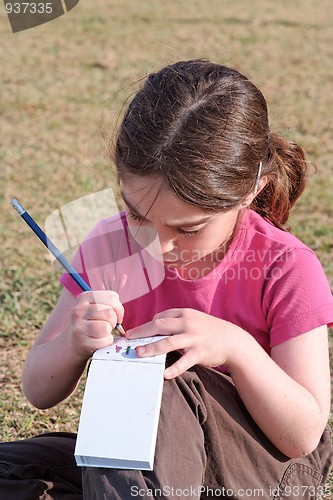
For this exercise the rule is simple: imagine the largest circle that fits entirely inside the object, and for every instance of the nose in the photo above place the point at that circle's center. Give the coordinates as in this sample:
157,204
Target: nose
167,241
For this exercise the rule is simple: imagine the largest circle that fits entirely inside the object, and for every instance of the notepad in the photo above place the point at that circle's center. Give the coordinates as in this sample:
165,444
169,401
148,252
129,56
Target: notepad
121,406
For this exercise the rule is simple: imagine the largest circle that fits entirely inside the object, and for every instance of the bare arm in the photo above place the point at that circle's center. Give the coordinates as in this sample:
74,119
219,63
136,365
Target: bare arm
287,395
74,330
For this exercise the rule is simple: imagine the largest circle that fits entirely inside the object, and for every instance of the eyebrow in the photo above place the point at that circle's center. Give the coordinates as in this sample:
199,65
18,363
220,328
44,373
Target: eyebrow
198,222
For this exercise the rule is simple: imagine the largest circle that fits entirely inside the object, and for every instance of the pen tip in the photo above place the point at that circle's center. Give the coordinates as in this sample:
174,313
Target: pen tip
120,329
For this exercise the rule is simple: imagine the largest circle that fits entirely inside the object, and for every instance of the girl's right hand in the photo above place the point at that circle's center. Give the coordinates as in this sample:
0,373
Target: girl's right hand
93,317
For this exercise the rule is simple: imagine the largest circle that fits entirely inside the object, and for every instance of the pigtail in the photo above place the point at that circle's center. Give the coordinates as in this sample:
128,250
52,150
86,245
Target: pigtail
286,170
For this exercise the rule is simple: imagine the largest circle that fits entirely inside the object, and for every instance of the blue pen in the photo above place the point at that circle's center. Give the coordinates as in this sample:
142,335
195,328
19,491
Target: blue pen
53,249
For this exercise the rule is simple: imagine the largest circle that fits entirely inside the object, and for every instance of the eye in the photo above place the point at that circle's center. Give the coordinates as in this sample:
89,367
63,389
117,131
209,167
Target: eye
188,234
134,216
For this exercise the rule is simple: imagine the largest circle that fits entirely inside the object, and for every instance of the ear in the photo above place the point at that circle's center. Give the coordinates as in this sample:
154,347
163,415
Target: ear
250,197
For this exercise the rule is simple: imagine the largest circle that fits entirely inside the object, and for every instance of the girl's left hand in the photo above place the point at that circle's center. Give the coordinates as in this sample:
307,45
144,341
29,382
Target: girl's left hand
202,339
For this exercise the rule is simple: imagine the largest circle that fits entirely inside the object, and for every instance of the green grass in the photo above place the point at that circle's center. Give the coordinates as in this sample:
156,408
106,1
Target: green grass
61,81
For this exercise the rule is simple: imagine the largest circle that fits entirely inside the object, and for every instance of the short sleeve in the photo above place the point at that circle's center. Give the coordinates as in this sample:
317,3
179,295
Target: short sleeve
86,262
297,296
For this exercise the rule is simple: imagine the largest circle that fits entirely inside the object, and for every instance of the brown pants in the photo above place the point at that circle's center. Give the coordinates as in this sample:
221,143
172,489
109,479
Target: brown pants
207,447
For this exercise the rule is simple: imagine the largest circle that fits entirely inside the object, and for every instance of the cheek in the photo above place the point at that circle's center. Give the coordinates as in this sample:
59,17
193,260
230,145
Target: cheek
145,236
198,246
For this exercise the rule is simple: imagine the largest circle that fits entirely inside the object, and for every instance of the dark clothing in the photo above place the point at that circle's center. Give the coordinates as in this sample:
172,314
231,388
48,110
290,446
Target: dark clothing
207,447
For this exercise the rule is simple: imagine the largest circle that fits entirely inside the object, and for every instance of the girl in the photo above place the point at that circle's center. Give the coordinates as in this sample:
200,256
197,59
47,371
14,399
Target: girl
244,303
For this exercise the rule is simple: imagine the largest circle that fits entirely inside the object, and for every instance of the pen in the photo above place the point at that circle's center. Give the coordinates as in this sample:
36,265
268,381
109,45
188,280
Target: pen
57,254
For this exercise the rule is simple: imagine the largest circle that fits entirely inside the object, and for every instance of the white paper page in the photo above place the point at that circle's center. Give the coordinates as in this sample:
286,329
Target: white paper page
120,413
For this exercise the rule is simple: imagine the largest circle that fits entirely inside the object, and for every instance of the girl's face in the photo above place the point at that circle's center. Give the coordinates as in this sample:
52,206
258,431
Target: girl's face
189,238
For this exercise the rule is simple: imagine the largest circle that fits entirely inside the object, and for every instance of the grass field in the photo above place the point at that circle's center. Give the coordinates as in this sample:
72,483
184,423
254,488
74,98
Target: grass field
60,82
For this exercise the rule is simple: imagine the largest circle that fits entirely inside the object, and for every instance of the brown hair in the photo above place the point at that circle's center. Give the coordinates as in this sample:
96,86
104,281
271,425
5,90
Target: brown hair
204,128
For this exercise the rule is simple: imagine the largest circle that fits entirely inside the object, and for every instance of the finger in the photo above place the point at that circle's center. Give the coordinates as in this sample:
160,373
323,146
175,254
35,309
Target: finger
158,326
188,360
142,331
152,327
176,312
106,297
97,329
102,313
172,343
94,344
91,312
102,298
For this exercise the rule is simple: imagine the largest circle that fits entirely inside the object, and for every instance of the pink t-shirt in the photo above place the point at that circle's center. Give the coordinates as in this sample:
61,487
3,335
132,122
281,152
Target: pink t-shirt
269,283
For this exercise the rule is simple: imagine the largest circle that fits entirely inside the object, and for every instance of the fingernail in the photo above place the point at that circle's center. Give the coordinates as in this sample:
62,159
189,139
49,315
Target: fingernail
141,350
